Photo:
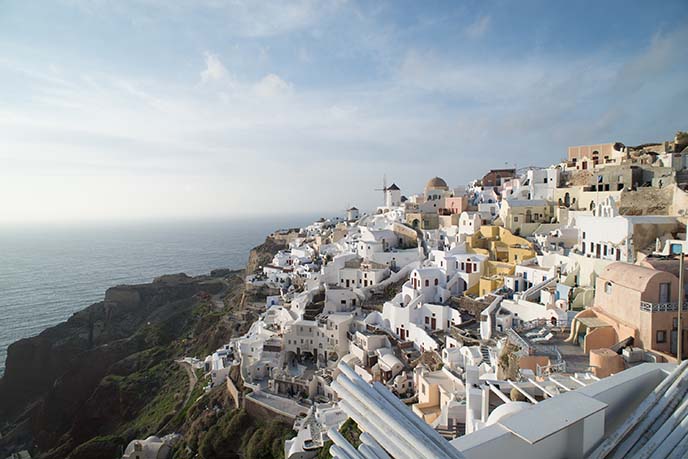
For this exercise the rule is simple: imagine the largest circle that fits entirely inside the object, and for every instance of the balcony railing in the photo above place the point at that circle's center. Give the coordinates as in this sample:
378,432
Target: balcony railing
661,307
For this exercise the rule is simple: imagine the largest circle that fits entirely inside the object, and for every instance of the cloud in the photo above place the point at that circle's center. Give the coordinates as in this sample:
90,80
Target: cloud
214,69
387,104
272,85
243,18
478,28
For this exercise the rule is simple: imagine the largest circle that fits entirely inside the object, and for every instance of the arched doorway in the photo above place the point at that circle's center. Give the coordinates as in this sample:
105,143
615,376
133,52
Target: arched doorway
462,285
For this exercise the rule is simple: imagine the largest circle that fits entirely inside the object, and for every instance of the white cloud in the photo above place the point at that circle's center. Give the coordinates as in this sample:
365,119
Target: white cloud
478,28
235,133
343,111
214,69
272,85
245,18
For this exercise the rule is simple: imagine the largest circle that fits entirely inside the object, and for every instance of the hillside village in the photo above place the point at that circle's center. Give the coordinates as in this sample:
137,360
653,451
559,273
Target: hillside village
467,304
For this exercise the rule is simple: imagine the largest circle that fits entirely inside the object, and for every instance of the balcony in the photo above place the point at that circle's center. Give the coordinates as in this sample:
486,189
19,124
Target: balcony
661,307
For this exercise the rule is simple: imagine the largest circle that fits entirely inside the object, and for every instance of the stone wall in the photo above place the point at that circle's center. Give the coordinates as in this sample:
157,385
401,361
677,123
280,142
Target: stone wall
261,411
234,392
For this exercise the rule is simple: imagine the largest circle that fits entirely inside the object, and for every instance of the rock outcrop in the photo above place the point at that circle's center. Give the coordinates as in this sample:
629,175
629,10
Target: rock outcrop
86,387
49,378
263,254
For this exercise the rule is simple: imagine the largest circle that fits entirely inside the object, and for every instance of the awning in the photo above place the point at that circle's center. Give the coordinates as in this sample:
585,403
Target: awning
593,322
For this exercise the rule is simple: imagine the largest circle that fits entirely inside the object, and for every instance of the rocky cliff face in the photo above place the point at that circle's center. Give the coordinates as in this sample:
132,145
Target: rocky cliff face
50,377
88,386
263,254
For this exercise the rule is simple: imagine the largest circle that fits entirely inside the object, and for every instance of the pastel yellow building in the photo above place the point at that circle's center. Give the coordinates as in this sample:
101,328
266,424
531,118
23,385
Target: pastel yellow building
505,251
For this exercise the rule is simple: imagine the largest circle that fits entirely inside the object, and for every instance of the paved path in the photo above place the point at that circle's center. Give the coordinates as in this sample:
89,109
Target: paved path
193,379
218,298
192,383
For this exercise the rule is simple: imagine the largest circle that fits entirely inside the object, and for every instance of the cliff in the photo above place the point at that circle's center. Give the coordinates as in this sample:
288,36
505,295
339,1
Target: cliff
263,254
86,387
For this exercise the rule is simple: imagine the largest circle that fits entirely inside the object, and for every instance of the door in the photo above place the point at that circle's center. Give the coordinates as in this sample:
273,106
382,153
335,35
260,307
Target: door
664,292
433,323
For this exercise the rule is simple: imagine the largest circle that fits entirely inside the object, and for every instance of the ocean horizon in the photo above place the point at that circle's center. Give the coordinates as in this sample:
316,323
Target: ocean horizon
50,271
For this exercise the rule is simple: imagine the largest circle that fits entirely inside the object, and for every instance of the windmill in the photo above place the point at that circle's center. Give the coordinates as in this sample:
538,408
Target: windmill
384,187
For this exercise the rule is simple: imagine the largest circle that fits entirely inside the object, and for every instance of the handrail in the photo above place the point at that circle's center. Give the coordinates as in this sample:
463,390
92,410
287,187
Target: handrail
525,347
660,307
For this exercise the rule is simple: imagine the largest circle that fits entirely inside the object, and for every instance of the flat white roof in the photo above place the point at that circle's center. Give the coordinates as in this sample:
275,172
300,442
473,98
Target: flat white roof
554,415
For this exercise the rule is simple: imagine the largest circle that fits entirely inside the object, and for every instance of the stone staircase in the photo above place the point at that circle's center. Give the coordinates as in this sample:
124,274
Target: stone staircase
457,431
485,352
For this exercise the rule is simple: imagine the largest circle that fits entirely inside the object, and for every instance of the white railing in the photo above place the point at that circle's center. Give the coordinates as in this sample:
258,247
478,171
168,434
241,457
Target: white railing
519,341
537,288
660,307
530,324
546,370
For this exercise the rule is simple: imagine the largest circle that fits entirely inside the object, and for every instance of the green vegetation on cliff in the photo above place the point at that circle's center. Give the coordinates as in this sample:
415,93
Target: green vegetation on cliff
235,434
87,387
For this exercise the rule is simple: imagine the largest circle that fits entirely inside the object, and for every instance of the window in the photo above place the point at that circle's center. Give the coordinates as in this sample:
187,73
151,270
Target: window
664,292
515,219
608,288
661,336
583,234
437,281
427,282
427,319
343,301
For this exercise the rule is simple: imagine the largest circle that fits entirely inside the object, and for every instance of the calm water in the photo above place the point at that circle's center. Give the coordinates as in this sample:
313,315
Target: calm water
48,273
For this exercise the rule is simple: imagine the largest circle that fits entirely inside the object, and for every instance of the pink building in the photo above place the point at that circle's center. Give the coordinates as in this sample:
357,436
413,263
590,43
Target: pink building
456,204
634,301
589,156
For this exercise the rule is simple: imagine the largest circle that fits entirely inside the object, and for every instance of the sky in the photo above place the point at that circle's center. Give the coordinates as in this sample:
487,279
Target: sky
155,109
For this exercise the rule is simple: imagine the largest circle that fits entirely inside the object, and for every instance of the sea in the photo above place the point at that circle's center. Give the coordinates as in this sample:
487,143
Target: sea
48,272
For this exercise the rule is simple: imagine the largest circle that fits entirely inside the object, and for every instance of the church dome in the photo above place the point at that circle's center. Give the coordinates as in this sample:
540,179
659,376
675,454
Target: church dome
436,183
